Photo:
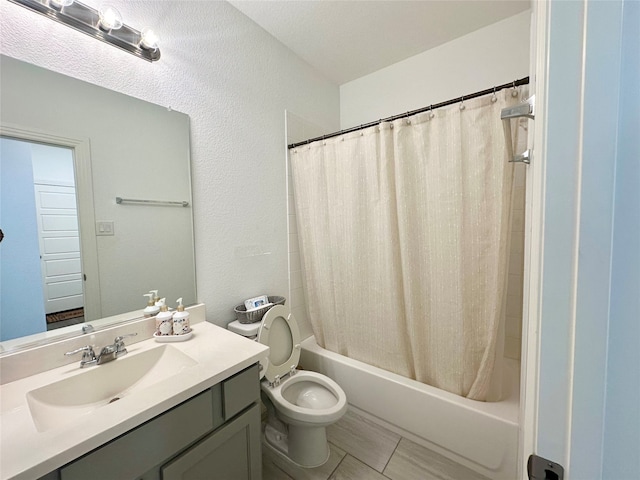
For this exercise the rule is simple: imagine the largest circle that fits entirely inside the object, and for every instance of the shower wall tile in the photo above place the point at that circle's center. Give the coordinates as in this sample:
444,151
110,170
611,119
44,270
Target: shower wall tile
516,264
294,262
297,297
291,204
518,221
289,178
519,193
512,347
296,280
293,223
294,246
519,174
513,327
514,306
517,242
304,323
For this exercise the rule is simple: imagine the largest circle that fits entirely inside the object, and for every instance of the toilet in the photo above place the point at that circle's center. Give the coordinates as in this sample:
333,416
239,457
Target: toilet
300,404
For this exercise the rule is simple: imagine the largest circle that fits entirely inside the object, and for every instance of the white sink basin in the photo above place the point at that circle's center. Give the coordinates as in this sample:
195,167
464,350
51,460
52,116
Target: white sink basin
58,403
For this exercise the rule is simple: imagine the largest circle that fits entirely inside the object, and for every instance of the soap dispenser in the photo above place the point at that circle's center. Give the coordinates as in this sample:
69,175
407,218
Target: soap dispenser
151,308
156,298
164,320
180,320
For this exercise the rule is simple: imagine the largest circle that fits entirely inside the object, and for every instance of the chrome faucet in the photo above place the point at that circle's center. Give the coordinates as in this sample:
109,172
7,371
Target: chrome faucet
107,354
88,355
118,344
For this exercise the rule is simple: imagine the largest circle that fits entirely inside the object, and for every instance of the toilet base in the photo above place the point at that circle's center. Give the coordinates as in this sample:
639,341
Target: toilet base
306,447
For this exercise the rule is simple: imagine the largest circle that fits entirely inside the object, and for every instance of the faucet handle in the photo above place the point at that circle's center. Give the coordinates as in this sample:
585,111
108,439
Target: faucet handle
88,355
119,343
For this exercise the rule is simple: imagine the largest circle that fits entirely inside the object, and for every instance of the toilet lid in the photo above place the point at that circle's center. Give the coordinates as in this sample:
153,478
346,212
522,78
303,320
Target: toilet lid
279,331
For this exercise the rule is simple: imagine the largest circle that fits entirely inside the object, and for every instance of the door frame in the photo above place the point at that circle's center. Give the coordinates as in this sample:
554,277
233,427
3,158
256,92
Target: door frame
534,241
569,226
86,214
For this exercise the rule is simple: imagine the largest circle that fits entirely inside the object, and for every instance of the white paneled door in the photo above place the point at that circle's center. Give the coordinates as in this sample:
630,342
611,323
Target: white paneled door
59,247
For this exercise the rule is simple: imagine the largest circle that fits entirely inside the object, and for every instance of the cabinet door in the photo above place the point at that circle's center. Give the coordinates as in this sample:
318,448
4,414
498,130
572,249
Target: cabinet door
152,443
230,453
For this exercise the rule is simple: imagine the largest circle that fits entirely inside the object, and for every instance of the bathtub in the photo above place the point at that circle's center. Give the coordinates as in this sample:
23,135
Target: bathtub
480,435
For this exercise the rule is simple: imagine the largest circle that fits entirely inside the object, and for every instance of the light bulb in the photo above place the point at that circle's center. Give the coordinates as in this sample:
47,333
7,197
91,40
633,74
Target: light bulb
110,18
58,4
149,40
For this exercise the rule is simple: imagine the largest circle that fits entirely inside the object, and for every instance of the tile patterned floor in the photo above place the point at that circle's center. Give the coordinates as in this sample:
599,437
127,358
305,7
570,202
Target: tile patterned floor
363,450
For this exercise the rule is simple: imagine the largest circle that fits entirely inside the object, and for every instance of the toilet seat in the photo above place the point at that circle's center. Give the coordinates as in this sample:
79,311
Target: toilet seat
279,331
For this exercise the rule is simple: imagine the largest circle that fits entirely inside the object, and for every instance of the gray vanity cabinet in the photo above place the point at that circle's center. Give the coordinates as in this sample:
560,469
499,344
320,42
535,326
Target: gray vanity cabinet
213,435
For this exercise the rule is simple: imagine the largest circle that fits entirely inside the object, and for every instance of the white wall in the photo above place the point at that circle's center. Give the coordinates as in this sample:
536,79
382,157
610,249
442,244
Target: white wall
493,55
235,82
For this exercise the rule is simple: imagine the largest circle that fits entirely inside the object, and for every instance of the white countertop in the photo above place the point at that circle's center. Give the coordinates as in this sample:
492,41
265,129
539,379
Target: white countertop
26,453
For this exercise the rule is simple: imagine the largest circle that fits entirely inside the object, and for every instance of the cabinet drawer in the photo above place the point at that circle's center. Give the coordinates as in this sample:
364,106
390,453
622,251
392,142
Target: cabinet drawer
132,454
240,391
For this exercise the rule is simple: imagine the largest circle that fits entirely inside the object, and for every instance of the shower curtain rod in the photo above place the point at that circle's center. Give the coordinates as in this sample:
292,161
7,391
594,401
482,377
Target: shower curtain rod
516,83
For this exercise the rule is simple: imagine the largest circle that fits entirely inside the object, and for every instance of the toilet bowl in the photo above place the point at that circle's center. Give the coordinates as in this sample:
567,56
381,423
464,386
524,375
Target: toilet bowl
300,404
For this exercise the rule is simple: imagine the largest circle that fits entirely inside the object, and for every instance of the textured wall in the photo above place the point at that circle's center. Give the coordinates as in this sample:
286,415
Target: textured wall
234,81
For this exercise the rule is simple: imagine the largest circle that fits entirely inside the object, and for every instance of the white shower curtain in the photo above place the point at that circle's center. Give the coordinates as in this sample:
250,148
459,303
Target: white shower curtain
403,231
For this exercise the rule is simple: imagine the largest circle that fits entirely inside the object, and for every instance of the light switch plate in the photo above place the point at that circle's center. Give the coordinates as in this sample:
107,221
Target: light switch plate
104,228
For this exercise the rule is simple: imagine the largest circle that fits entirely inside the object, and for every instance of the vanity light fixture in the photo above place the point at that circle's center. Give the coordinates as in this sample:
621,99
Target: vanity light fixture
104,24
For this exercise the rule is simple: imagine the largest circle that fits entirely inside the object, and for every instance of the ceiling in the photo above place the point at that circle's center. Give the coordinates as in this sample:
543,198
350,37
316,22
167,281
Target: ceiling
345,40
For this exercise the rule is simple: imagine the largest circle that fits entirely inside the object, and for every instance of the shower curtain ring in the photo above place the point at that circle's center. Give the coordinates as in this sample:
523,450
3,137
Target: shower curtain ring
431,114
462,107
514,92
494,99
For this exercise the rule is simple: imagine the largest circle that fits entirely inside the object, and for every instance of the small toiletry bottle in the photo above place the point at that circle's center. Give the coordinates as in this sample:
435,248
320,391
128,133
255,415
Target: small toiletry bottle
180,320
151,308
164,320
156,298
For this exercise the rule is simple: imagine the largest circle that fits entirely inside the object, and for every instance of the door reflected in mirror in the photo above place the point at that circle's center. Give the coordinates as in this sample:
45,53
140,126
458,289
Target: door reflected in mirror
40,215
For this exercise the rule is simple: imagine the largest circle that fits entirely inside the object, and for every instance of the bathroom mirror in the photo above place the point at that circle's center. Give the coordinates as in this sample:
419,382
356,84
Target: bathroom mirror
115,146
